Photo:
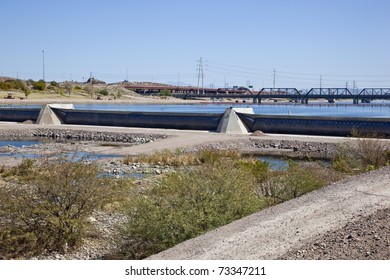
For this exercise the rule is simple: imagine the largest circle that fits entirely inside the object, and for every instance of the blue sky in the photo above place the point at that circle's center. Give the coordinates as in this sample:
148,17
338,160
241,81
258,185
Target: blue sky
242,42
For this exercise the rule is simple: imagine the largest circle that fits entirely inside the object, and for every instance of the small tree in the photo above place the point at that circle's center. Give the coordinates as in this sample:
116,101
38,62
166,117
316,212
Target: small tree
68,87
89,90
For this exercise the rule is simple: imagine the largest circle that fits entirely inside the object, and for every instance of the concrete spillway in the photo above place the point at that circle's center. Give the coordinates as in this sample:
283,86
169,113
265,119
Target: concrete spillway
232,121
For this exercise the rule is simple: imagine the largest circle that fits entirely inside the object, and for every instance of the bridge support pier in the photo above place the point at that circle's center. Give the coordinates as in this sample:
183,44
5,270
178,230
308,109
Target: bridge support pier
305,101
356,101
256,100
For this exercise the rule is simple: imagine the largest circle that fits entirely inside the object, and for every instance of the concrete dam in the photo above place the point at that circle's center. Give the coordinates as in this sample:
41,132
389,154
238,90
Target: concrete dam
233,120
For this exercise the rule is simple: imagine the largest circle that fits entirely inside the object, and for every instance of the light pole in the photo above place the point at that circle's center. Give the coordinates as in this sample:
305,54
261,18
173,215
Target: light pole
43,64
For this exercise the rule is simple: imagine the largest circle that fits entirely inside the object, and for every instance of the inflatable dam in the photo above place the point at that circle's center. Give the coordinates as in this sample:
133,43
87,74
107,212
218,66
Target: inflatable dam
233,120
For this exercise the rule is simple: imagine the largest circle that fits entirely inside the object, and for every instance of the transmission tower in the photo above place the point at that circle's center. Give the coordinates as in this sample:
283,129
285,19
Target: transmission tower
200,75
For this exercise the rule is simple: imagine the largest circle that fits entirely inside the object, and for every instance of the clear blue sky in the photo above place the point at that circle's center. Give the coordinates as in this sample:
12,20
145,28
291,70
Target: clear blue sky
241,41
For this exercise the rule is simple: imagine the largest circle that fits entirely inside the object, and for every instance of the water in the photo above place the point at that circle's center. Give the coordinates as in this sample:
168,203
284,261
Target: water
281,164
341,110
78,155
19,143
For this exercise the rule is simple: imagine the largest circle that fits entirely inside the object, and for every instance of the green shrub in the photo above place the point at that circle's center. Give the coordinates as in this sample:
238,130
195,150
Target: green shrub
5,86
39,85
21,170
54,84
165,92
48,206
104,92
13,85
296,181
187,204
361,155
259,169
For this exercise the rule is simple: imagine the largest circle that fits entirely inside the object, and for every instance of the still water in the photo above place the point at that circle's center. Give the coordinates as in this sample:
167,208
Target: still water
341,110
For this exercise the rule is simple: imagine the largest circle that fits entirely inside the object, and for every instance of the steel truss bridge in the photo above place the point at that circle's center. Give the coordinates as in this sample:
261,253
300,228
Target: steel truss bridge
365,95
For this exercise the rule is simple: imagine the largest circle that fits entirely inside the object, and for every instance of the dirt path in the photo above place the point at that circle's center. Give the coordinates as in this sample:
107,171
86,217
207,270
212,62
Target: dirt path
274,232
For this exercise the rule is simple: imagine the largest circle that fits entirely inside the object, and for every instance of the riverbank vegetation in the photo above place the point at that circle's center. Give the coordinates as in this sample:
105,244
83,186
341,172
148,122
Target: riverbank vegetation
45,205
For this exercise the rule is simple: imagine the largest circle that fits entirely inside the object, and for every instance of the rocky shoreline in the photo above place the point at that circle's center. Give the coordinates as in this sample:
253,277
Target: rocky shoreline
80,135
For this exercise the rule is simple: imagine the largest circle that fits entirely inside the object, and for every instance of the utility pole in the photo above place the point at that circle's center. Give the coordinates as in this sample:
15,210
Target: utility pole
43,64
354,87
200,74
346,84
178,79
274,78
320,82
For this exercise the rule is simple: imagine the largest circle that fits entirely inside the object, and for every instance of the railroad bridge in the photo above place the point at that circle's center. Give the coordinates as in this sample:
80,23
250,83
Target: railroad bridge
365,95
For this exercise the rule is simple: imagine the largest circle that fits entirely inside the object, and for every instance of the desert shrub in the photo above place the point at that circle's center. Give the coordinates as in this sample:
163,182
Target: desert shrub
39,85
54,84
21,170
5,86
89,90
13,85
104,92
165,92
259,169
213,156
47,207
68,86
296,181
186,204
361,155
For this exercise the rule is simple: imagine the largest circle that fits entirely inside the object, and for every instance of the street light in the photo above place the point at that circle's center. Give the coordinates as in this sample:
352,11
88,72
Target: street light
43,64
